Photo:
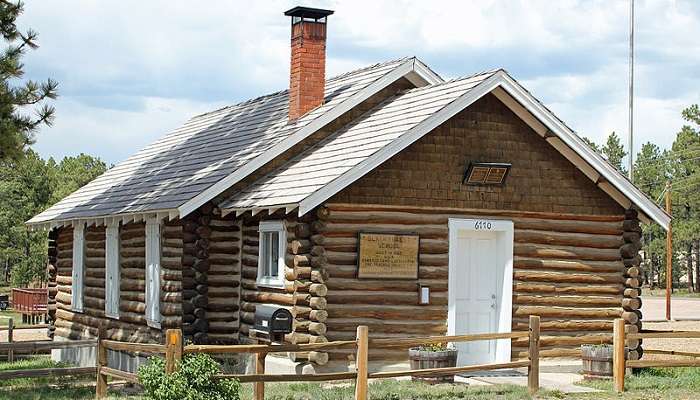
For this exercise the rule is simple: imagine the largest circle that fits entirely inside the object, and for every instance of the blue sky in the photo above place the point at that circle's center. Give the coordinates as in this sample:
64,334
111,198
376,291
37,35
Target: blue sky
130,71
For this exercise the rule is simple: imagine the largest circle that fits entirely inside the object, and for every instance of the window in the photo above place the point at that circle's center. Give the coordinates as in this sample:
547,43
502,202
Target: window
78,267
153,272
272,248
112,270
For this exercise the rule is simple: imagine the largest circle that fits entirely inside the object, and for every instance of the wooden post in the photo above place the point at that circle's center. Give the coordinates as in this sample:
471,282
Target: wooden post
533,371
619,355
101,360
669,255
10,331
361,362
259,387
173,350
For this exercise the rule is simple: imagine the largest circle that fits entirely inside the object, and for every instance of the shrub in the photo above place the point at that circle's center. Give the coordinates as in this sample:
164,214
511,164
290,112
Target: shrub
192,381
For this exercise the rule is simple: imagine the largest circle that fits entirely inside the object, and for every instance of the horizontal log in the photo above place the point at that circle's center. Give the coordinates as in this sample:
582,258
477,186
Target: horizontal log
563,301
391,312
409,326
565,252
343,211
436,285
567,288
567,325
383,297
568,239
317,328
567,312
319,358
560,277
567,265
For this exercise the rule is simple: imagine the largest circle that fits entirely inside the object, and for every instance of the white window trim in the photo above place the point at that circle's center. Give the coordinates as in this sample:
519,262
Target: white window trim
112,265
153,255
280,227
78,272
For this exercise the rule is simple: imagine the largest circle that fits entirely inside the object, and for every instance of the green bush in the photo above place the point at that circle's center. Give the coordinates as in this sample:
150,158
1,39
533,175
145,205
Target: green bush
192,381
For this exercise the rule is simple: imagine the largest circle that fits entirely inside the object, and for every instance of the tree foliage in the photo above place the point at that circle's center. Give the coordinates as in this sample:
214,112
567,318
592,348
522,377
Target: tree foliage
29,185
653,168
23,105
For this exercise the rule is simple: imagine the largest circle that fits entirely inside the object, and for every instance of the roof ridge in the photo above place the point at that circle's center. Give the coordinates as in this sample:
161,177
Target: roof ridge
457,79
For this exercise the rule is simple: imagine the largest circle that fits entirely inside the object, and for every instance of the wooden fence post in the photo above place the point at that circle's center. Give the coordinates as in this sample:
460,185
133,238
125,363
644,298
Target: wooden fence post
361,362
173,349
101,360
533,370
259,387
10,331
619,355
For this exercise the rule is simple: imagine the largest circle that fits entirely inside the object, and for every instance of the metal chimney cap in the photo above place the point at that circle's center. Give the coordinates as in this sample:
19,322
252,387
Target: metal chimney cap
308,12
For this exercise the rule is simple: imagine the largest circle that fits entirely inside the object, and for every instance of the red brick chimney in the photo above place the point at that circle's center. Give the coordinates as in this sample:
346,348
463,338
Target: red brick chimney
307,76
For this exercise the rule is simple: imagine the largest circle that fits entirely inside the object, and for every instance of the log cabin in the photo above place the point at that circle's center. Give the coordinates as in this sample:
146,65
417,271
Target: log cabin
385,196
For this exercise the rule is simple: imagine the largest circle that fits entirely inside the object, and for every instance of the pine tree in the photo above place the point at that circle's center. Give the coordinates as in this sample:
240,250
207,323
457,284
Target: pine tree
23,108
615,152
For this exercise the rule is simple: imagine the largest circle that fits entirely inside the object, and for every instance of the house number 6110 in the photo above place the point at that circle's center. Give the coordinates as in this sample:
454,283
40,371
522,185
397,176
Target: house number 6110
482,225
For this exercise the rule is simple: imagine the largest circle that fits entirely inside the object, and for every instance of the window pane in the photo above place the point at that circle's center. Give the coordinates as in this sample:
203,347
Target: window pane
274,253
270,250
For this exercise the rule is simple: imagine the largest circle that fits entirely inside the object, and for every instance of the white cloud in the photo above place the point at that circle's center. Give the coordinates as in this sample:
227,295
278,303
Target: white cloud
131,70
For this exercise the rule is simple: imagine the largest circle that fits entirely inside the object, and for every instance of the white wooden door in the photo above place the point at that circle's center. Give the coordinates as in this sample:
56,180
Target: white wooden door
480,287
478,292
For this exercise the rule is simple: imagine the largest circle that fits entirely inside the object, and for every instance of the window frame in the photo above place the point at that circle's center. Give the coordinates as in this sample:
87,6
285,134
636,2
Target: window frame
112,267
78,268
279,226
153,254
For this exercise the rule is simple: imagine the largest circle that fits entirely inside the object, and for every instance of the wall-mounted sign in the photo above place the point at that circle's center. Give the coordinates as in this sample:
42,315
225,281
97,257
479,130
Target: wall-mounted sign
387,255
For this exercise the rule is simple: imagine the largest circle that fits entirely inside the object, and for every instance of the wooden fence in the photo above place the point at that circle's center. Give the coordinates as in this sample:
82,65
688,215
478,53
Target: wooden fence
11,328
620,362
173,351
35,346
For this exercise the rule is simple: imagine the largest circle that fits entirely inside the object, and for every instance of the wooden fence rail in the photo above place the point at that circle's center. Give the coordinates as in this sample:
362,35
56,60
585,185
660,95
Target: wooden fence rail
620,363
173,351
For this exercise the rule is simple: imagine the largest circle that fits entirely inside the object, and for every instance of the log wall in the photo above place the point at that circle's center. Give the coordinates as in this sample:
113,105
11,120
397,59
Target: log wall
304,292
224,279
568,270
131,325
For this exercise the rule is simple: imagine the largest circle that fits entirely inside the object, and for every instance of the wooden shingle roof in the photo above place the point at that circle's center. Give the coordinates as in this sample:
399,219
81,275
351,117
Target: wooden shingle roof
197,161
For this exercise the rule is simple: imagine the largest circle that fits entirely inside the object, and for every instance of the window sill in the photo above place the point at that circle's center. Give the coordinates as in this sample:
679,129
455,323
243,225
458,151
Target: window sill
112,316
153,324
272,284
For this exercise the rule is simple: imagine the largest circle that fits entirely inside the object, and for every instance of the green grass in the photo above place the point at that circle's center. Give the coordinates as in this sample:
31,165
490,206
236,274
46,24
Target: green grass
7,314
653,383
390,390
650,384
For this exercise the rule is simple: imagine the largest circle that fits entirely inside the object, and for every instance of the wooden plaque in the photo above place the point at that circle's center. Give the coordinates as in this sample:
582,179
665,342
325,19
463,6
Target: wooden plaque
388,256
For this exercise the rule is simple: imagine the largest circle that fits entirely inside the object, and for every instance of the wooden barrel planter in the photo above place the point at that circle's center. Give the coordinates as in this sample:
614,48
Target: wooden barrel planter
425,359
598,361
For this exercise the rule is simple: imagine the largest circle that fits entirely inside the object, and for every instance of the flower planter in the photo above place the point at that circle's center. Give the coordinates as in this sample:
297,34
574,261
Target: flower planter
425,359
597,361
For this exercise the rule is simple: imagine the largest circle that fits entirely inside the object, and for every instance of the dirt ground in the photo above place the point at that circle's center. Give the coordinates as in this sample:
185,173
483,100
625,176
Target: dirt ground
687,345
25,334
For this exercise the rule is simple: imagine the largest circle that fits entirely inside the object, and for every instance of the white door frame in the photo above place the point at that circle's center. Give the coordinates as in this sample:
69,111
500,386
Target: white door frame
505,230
